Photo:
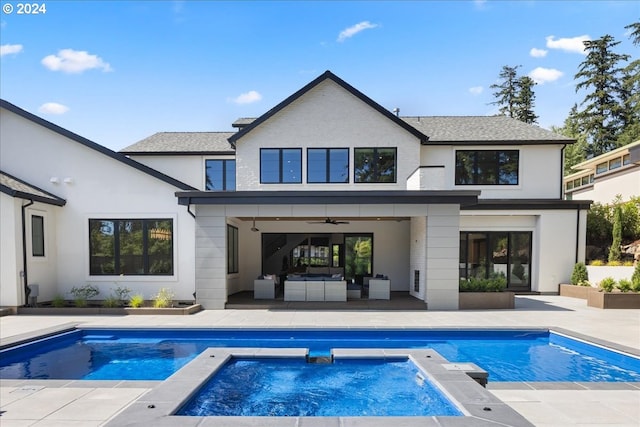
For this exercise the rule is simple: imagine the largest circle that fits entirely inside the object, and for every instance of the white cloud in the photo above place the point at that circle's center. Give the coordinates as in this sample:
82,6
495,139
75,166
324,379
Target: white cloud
538,53
248,98
476,90
355,29
75,61
53,108
573,44
8,49
543,75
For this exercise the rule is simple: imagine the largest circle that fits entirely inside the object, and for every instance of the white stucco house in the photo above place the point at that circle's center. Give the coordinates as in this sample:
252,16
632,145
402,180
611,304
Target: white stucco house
605,177
328,181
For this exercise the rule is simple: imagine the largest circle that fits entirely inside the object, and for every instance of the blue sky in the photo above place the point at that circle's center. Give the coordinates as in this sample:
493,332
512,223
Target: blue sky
118,71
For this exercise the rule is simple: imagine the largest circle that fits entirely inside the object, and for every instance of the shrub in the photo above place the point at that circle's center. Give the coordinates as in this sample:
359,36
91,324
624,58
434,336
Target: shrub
579,274
136,301
614,252
624,285
82,293
58,301
597,263
607,284
615,263
121,293
496,283
111,302
635,278
163,299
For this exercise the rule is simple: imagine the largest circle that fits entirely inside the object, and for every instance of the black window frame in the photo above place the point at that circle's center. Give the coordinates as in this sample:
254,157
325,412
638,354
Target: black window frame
37,238
280,166
225,183
233,251
117,256
477,177
328,152
464,255
376,172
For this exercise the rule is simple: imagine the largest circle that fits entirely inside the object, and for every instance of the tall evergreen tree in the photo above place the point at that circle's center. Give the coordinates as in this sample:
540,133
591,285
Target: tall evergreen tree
525,100
507,90
631,93
602,116
577,152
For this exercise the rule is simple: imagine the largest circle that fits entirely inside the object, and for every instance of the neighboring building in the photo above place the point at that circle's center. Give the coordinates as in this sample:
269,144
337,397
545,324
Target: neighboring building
326,180
605,177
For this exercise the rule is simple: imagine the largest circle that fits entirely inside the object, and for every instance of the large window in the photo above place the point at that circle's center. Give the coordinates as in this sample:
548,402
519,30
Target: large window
130,247
280,165
486,254
487,167
328,165
37,236
232,249
376,165
220,175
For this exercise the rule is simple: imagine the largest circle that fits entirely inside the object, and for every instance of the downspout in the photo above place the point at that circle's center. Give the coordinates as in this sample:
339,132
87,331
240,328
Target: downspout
562,172
189,209
27,290
577,232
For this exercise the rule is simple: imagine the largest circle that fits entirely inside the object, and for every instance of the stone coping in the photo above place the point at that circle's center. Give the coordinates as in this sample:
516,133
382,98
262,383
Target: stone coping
479,406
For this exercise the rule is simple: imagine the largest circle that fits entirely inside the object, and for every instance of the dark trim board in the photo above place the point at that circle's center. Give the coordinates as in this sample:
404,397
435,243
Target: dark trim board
461,197
528,204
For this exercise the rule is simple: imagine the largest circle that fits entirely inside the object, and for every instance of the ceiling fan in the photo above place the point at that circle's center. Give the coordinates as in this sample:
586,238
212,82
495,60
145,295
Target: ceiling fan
328,221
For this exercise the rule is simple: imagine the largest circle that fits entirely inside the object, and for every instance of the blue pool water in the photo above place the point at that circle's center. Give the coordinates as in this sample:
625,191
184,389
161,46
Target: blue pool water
154,354
291,387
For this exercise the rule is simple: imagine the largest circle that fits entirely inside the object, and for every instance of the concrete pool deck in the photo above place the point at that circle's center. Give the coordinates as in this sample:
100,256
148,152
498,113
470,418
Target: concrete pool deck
87,403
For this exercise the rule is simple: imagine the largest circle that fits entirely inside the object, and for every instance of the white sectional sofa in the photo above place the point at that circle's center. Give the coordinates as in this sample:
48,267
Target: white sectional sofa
315,288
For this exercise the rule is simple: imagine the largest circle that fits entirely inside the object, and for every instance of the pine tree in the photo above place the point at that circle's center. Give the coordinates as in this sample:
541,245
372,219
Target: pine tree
507,91
577,152
524,101
631,94
603,115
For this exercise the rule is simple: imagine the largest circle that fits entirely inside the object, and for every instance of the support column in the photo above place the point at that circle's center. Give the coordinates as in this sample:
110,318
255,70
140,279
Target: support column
211,255
442,257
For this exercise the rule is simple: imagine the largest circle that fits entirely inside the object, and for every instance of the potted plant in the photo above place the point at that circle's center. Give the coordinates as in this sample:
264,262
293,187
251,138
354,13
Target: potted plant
612,293
478,293
580,285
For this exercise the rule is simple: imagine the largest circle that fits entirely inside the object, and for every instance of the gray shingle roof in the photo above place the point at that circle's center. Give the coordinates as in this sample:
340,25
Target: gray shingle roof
470,129
17,188
439,129
183,142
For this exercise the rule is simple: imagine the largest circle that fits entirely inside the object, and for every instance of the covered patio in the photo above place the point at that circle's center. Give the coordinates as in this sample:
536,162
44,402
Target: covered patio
413,242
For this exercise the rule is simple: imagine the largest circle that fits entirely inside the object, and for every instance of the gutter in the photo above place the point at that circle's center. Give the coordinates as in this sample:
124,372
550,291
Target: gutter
27,290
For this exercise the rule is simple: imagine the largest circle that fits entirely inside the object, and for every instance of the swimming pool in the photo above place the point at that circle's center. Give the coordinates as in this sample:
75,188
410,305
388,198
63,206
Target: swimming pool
289,387
155,354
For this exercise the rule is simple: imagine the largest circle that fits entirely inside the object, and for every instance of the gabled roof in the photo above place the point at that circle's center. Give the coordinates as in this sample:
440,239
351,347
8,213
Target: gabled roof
94,146
173,143
328,75
444,130
15,187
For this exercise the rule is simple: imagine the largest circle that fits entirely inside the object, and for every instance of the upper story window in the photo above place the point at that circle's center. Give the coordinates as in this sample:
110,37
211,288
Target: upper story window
487,167
37,235
130,247
280,165
220,175
626,159
602,167
375,165
328,165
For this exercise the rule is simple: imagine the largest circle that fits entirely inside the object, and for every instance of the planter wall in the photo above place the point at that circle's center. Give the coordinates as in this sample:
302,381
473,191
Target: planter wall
118,311
613,299
486,300
596,274
575,291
